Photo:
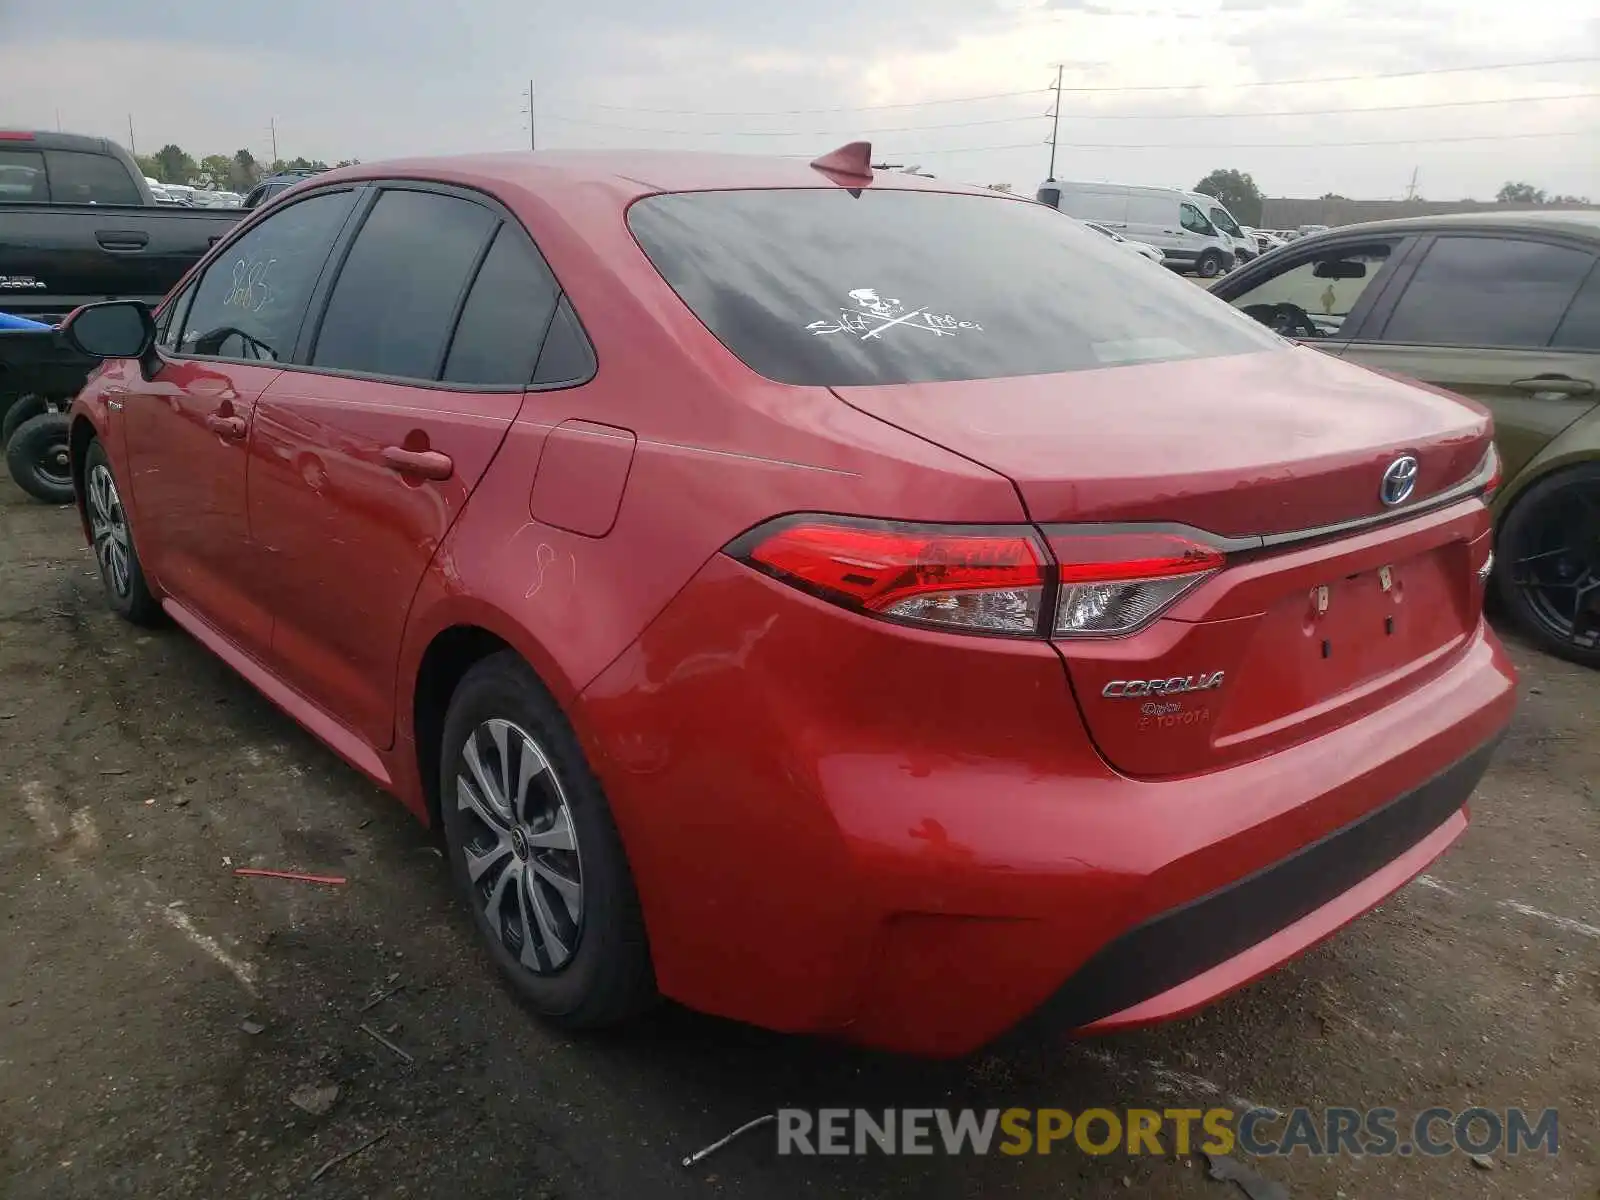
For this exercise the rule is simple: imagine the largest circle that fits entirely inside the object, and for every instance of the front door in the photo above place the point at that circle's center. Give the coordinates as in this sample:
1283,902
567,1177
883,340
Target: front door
1320,296
1508,321
361,462
187,428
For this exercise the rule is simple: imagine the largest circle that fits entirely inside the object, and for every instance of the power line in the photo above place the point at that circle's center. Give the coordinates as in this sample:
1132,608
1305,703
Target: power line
1097,89
1079,116
1487,137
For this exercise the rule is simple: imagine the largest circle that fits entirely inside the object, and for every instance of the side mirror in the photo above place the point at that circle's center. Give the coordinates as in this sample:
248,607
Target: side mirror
113,329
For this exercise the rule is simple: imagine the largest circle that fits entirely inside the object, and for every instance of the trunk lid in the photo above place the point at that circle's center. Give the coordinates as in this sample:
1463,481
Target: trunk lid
1293,636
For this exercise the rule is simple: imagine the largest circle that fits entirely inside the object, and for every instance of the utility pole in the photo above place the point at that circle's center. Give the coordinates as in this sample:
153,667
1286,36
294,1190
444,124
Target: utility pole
58,120
1055,126
132,149
532,141
272,124
1411,190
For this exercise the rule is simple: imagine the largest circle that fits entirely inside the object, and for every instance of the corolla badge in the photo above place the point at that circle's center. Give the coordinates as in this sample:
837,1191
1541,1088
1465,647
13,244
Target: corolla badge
1130,689
1399,481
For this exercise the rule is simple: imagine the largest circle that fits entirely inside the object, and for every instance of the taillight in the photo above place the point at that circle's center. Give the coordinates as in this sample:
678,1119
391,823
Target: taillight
1490,468
1115,583
987,581
983,579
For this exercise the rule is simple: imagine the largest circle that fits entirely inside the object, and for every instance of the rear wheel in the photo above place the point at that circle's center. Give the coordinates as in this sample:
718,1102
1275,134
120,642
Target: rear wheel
38,457
1208,265
535,853
1548,564
121,573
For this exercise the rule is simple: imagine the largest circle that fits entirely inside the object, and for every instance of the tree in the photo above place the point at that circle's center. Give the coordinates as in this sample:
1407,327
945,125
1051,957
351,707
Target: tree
217,171
1582,200
1520,193
148,165
175,166
1237,191
246,171
1333,196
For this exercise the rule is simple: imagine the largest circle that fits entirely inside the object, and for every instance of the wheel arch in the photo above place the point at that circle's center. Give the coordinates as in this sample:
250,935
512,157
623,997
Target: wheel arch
79,437
1575,445
456,642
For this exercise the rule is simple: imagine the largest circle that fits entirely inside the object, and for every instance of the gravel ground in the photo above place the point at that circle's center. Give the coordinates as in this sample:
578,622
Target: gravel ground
157,1012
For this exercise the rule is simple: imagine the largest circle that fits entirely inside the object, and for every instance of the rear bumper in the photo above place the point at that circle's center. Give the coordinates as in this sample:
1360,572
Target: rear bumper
905,838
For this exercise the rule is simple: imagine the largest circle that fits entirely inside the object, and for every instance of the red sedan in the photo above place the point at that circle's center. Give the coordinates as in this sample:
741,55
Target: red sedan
842,602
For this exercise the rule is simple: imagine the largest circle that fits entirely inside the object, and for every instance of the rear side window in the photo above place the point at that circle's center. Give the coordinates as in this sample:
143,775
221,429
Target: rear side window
1580,328
824,286
1488,291
402,284
503,324
252,298
22,178
77,178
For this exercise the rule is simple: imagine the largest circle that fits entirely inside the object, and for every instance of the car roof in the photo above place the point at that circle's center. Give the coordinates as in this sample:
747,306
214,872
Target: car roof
630,174
1584,222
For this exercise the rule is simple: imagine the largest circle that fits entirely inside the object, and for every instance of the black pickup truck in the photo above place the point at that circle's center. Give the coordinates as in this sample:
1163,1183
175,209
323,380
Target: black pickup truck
78,223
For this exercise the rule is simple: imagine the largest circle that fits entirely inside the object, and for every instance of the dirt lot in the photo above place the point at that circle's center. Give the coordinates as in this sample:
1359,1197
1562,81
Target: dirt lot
135,771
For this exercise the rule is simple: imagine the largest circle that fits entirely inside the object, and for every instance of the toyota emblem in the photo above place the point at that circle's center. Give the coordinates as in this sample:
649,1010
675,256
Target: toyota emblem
1399,481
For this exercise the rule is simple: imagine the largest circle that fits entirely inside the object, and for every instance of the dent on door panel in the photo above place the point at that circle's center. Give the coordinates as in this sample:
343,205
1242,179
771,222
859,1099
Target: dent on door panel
581,477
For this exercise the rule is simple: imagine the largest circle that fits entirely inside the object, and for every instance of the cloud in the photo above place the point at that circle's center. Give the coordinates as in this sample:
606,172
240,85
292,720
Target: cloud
370,79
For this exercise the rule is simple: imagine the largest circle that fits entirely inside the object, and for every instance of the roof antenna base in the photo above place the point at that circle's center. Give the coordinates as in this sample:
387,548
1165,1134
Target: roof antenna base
851,162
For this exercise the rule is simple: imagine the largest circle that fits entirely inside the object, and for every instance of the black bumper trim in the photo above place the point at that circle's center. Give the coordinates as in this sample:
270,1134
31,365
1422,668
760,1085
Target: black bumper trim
1177,945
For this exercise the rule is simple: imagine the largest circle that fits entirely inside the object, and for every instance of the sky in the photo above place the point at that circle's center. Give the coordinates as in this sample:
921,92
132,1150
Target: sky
1155,91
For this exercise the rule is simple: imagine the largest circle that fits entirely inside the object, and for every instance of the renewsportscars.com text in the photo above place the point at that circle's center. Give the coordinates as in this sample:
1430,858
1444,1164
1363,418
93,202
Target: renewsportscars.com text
1260,1132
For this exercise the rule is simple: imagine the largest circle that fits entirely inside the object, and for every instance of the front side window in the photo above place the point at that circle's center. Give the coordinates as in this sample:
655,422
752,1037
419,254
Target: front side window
1224,222
253,296
1194,220
822,286
78,178
1488,291
22,178
395,301
1313,298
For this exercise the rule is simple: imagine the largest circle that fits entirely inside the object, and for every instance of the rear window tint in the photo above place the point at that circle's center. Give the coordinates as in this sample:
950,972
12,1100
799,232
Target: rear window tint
829,287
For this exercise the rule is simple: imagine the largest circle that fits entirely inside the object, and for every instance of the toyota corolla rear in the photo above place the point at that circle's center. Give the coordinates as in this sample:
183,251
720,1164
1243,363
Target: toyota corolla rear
1217,685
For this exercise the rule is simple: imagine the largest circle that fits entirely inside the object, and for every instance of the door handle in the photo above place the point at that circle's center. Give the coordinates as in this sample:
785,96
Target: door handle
1558,385
232,428
122,241
427,464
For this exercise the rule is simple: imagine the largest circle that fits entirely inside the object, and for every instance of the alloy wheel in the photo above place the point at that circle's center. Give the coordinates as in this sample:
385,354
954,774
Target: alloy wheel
108,528
520,846
1558,569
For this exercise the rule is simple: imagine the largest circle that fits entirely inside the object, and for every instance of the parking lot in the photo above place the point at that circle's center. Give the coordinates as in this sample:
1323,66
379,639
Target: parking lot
159,1011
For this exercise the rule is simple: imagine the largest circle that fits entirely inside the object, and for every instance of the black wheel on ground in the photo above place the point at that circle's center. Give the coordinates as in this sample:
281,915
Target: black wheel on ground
23,408
534,851
122,576
38,458
1208,265
1547,563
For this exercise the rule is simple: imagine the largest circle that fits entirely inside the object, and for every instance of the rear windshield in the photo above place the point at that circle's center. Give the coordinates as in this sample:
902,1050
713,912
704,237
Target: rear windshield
829,287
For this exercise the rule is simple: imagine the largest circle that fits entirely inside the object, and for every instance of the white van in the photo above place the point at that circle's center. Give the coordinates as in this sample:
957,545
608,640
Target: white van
1167,218
1242,240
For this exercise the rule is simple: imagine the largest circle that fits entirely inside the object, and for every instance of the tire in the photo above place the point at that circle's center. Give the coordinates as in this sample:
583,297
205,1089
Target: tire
1208,265
38,458
122,576
580,970
1534,579
22,409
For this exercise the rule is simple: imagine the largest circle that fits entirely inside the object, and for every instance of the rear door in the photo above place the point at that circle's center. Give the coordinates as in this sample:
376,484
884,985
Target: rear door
364,455
1498,319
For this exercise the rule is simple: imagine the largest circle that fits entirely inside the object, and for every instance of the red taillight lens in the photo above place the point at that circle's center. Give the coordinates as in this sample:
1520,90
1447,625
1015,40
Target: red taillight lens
15,135
980,581
984,580
1115,583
